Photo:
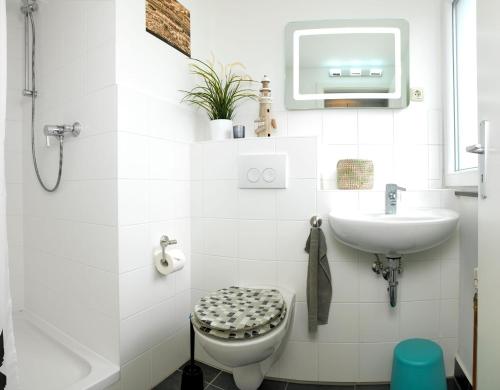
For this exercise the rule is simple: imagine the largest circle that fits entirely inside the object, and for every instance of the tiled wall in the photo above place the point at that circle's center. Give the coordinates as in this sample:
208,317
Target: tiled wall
14,151
258,236
468,209
406,145
71,264
154,136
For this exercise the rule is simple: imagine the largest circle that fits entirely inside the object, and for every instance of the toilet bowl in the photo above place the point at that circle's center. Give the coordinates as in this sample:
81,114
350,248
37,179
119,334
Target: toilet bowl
251,359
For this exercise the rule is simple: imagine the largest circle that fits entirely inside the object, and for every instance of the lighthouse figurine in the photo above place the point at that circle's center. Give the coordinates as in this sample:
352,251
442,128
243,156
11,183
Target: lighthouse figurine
265,124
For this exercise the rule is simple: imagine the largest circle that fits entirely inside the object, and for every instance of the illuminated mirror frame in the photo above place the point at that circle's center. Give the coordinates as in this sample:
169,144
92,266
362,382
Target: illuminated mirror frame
397,27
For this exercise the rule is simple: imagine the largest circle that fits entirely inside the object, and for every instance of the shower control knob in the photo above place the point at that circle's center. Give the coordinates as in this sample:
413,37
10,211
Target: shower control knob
376,268
75,129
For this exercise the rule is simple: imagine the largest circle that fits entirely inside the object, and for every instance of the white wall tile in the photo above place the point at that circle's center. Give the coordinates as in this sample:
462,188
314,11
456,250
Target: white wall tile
134,248
219,272
164,362
257,145
300,361
449,318
383,163
410,126
338,362
304,123
254,273
133,156
435,162
449,347
411,166
343,324
376,127
136,374
133,202
378,323
293,276
291,238
420,280
161,158
345,281
220,160
419,319
159,193
98,26
100,65
220,237
298,201
301,156
300,326
435,127
257,240
135,291
256,204
375,362
220,199
450,276
340,127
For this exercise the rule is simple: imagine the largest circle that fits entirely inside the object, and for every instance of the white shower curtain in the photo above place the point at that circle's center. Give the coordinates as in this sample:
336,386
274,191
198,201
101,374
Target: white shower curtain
9,367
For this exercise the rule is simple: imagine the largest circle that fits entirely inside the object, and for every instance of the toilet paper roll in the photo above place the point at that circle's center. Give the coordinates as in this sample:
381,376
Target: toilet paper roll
175,260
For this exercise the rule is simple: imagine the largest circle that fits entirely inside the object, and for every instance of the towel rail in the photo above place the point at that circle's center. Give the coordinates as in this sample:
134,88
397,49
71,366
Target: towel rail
315,221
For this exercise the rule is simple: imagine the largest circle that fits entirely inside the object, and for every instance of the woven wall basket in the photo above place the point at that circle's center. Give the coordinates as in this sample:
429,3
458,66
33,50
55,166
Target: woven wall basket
355,174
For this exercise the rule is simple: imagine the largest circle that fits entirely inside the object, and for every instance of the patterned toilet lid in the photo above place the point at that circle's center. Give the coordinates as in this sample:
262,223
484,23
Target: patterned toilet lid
238,312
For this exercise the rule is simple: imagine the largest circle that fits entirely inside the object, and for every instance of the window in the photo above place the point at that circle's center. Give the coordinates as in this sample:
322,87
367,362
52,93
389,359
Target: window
464,119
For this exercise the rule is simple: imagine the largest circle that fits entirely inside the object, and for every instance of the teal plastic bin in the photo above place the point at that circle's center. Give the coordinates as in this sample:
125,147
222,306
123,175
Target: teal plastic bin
418,365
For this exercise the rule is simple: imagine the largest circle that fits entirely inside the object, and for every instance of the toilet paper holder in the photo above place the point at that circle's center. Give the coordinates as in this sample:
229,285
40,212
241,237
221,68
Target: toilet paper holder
164,242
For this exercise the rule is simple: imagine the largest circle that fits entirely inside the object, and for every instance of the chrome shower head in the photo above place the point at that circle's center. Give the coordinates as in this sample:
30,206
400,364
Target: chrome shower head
29,6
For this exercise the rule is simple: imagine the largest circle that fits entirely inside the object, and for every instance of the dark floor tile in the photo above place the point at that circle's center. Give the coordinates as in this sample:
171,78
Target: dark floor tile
452,385
306,386
173,382
210,387
373,387
209,372
225,381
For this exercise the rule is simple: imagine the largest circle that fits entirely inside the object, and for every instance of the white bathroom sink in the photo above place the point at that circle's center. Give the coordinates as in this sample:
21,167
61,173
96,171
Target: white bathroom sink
392,235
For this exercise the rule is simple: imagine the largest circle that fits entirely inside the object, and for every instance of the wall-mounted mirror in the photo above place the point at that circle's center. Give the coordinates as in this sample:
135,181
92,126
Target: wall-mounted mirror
347,63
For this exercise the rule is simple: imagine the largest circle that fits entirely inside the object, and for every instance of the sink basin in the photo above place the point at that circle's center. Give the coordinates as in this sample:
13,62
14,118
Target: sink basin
394,235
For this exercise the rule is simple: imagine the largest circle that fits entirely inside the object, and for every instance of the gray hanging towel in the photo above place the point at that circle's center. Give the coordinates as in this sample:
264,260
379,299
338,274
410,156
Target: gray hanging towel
319,280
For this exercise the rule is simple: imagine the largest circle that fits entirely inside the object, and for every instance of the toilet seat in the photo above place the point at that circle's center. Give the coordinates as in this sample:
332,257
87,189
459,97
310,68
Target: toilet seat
239,313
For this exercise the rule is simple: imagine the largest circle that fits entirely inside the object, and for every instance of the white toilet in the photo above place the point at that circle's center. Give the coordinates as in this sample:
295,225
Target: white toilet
251,358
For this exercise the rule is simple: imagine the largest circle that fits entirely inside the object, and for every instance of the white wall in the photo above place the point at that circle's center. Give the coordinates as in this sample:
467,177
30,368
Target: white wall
154,136
406,145
468,261
14,151
258,236
71,266
264,231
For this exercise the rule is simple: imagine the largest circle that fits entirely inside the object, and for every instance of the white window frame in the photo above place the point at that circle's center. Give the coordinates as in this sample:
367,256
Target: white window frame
452,177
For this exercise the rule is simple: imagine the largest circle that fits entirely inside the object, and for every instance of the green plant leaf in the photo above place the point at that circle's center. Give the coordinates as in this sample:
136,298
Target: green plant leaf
219,93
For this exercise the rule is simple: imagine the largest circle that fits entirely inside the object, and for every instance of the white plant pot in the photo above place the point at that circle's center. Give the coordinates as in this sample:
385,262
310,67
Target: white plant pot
221,129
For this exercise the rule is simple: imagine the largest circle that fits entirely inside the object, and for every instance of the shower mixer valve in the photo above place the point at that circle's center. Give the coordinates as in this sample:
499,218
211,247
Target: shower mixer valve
60,130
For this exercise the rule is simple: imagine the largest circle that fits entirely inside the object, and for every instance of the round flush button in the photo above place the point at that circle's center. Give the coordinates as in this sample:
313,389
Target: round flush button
253,175
269,175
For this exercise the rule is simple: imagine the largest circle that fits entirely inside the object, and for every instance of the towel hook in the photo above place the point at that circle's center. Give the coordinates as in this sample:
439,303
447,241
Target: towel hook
164,242
315,221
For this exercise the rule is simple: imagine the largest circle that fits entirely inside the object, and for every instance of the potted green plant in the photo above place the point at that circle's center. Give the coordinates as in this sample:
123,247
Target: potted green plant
219,93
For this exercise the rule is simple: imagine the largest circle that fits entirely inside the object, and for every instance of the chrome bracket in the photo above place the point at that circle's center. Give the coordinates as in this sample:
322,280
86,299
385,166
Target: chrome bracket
164,242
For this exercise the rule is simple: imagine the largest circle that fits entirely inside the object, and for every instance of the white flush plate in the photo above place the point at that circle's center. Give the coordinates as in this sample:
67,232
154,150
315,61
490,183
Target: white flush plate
263,170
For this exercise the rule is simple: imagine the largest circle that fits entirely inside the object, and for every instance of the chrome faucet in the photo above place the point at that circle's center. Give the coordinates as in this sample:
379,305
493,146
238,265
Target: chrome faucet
391,198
